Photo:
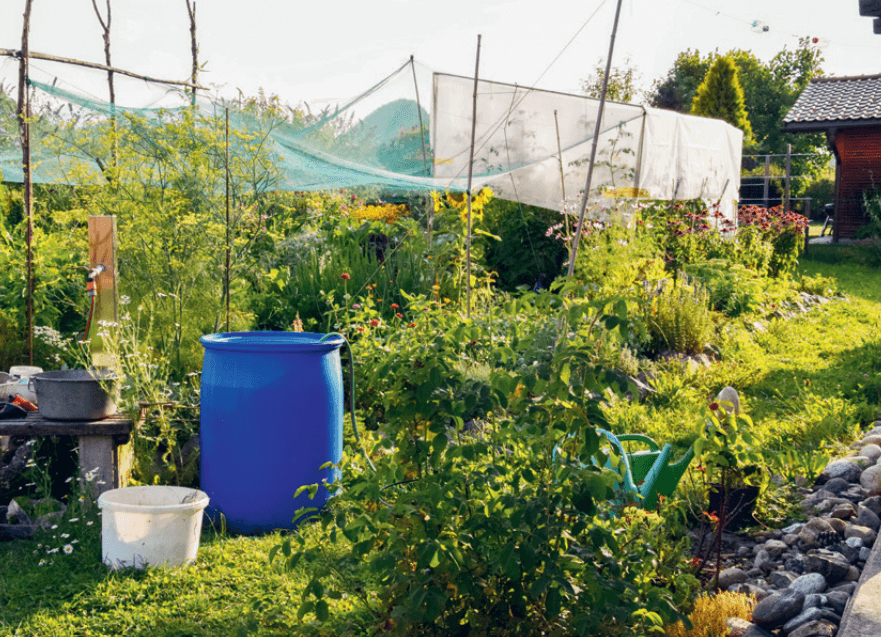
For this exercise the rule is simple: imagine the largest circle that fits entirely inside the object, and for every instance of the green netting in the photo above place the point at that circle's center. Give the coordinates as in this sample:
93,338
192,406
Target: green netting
385,136
378,138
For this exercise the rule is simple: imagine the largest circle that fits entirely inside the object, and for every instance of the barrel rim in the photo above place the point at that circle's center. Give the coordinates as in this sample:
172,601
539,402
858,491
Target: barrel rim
271,341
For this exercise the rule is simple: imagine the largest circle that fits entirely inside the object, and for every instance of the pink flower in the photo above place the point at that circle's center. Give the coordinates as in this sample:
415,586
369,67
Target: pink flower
345,276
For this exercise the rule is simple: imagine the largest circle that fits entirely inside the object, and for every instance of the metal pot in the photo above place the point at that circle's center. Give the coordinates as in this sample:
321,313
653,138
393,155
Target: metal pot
76,394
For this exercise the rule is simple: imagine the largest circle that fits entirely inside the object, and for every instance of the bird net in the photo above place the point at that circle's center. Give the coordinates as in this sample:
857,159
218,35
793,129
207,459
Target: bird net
411,131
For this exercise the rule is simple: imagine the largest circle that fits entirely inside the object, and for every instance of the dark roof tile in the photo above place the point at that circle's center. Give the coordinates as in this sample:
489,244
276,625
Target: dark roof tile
828,99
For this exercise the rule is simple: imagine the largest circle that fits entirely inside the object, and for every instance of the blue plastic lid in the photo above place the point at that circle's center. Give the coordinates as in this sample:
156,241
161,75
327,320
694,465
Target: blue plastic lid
272,342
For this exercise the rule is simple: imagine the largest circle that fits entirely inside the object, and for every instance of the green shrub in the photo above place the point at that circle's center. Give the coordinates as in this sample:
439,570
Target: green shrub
733,289
678,318
783,230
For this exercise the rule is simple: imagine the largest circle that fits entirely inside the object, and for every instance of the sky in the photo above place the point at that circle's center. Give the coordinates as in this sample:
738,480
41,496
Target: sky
325,50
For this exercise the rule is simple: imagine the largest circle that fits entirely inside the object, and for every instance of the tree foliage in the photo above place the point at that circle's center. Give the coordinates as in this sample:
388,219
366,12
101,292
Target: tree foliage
622,82
721,96
769,89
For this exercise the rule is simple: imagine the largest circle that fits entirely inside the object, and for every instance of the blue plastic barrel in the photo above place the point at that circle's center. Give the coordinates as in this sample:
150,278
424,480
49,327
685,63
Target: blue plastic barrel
271,415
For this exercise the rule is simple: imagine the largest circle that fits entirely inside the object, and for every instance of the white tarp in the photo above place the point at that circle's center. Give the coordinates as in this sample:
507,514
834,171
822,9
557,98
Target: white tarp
654,153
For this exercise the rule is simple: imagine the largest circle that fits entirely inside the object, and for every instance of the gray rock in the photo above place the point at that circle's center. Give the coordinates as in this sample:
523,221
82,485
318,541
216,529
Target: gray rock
873,437
837,485
730,577
755,573
836,600
854,542
781,579
843,511
814,600
791,539
853,574
762,558
865,552
873,503
819,628
808,584
866,517
866,534
778,608
798,526
855,493
743,628
844,468
837,525
872,451
870,479
811,614
743,551
755,590
831,565
776,547
795,563
808,534
850,553
847,587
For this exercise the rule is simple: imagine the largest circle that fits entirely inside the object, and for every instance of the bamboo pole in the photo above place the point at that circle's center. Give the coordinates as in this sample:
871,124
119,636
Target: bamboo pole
471,172
593,150
24,117
101,67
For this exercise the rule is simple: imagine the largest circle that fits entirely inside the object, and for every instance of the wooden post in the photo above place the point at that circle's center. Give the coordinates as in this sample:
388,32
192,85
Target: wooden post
470,173
102,251
786,202
767,179
24,117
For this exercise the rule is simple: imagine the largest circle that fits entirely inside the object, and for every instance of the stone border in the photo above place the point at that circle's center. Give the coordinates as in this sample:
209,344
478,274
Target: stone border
862,615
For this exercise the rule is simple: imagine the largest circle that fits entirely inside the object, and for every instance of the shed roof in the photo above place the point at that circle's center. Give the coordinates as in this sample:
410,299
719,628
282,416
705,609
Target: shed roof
829,102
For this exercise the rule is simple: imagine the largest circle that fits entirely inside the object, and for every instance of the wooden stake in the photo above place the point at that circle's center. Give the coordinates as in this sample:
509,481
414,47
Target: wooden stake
786,202
24,117
596,138
471,172
194,46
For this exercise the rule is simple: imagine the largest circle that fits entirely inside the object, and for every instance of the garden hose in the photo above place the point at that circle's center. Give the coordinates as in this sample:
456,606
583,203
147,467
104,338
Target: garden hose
351,393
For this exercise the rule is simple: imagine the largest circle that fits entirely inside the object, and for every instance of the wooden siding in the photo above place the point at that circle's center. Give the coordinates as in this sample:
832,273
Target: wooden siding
860,153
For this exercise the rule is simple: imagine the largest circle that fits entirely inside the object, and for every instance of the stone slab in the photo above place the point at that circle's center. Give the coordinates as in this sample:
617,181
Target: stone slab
862,616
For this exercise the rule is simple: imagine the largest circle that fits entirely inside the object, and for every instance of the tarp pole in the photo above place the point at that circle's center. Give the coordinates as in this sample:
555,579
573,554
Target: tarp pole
421,125
470,173
24,117
562,177
593,150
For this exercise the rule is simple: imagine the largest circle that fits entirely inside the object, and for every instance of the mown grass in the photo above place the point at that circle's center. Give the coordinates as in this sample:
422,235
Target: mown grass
808,383
232,589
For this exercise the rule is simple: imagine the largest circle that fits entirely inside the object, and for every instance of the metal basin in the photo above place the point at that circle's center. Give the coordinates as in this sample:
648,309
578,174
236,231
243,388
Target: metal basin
76,394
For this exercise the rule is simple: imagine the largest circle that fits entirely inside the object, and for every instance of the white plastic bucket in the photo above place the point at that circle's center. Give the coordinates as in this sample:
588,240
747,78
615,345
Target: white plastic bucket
151,526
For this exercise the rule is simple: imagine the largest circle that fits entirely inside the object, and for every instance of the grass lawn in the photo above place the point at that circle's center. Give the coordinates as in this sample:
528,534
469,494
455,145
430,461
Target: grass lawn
807,382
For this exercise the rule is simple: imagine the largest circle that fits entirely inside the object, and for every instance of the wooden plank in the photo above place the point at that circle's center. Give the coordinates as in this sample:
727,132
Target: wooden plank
102,251
36,425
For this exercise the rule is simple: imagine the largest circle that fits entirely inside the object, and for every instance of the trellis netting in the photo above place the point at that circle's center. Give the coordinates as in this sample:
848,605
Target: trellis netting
395,138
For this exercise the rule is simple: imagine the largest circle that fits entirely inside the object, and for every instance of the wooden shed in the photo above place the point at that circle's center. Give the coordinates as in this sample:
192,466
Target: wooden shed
848,110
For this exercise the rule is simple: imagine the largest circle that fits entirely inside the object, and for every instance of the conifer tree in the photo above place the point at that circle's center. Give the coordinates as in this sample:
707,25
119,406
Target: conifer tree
721,96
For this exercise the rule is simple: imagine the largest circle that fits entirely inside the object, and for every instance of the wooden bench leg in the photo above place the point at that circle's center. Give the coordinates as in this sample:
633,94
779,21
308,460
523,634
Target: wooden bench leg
100,454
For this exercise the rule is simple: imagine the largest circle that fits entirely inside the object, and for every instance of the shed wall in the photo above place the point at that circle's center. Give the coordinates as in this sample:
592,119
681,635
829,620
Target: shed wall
860,153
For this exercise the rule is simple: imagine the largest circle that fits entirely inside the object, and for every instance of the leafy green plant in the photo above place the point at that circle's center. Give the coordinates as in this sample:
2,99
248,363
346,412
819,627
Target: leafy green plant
677,317
485,530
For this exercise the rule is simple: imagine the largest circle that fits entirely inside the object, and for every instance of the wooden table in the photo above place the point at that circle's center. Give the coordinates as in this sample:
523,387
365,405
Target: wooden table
104,445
